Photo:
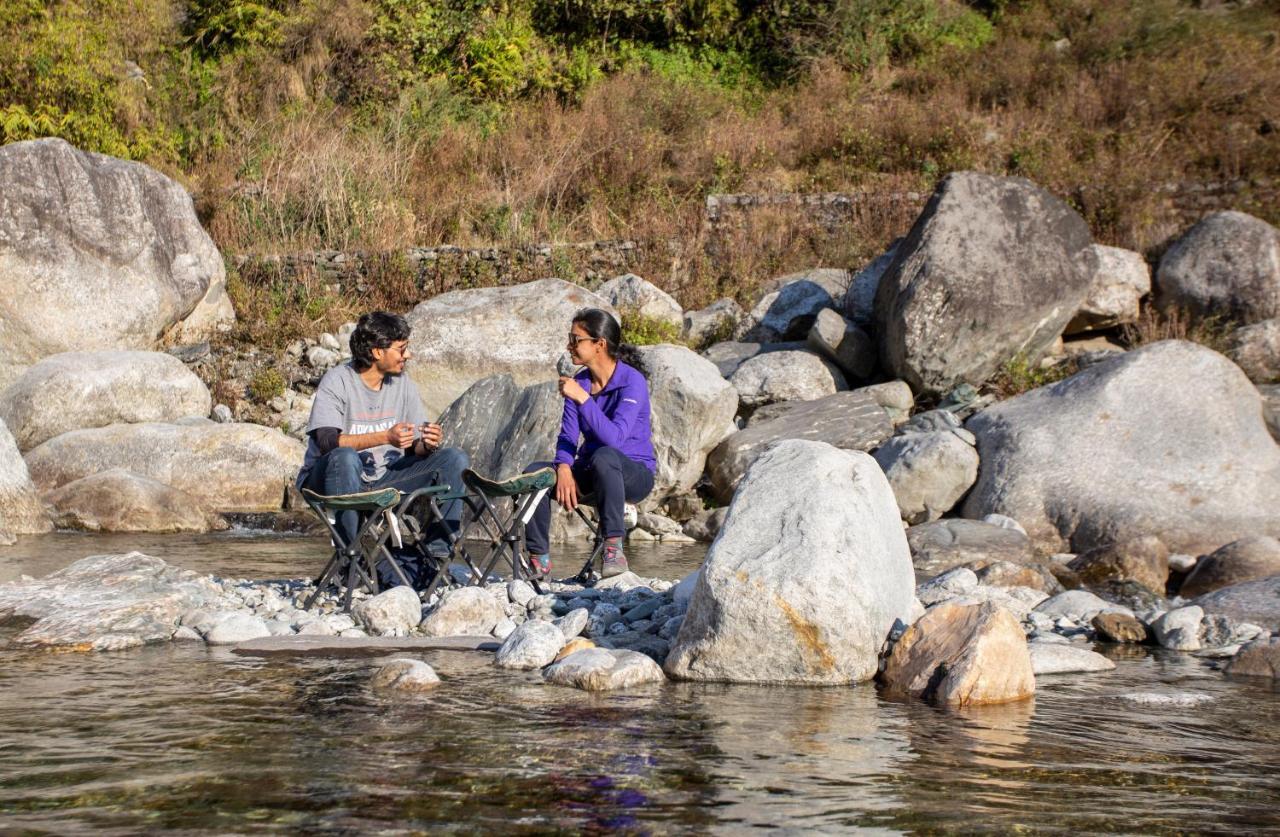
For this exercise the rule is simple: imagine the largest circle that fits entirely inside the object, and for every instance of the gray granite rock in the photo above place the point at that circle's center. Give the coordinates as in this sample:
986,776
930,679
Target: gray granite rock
1119,283
1063,460
1256,350
1260,658
728,355
1179,629
630,294
106,602
938,546
993,267
846,345
1079,606
929,472
574,622
1247,559
1227,264
790,303
860,299
116,500
462,336
100,253
717,321
1257,602
785,376
21,512
504,427
849,420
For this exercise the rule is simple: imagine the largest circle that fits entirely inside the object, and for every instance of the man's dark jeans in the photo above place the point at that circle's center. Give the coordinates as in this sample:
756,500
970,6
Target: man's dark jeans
614,479
339,472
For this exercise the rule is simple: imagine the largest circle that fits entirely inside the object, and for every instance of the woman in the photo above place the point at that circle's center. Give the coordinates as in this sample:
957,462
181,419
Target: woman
607,404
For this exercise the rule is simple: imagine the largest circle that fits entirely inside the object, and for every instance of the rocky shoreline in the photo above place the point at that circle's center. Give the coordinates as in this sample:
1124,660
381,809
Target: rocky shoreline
876,507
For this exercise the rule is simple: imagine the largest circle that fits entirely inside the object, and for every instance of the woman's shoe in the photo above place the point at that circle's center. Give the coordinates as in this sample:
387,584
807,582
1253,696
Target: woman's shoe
541,564
615,561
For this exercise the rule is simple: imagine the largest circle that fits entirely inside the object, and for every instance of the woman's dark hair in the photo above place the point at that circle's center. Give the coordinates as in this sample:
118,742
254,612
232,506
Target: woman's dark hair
376,330
600,324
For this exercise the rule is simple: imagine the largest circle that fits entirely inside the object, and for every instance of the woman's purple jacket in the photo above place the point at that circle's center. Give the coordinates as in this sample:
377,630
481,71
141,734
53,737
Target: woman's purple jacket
616,417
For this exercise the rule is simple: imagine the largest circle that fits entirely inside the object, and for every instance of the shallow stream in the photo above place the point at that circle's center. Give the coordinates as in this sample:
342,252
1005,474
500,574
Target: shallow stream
187,737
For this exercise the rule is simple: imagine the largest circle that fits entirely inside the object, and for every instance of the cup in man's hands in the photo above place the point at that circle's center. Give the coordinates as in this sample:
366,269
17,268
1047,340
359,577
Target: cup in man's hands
432,434
565,367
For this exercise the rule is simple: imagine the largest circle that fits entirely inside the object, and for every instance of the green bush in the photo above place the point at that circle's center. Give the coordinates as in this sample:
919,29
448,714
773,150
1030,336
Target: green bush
642,330
266,384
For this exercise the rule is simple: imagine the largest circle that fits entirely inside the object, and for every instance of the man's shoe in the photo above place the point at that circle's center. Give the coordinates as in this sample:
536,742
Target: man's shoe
615,562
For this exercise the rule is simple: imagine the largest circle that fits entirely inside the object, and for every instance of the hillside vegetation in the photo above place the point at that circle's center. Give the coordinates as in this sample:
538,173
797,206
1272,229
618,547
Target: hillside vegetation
380,124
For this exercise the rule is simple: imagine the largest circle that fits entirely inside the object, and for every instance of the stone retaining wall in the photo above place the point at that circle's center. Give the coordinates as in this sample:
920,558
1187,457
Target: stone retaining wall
725,216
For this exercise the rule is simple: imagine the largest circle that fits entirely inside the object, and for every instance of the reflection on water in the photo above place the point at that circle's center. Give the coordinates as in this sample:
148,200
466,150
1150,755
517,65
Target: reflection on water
181,736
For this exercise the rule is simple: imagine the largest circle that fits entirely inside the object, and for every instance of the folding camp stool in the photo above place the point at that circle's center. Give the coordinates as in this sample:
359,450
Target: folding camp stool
588,574
503,530
386,519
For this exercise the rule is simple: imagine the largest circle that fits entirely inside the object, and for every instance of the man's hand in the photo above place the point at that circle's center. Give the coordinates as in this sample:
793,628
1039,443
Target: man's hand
432,436
401,435
566,487
572,390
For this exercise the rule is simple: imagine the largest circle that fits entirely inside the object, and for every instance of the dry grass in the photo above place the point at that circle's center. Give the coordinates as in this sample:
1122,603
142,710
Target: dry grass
1139,93
1155,324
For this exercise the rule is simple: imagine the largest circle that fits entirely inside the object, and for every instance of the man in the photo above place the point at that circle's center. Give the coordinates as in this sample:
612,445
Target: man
368,428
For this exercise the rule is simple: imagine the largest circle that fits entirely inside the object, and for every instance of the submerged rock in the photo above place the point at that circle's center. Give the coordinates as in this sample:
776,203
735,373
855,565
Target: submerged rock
1260,658
405,676
962,655
602,669
106,602
807,577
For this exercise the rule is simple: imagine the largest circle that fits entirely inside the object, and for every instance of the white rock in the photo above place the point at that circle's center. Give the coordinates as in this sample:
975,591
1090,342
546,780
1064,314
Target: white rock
929,472
573,623
532,645
78,390
404,676
603,669
465,611
807,577
631,294
238,627
394,612
1079,606
1054,658
1179,629
1121,280
785,376
21,512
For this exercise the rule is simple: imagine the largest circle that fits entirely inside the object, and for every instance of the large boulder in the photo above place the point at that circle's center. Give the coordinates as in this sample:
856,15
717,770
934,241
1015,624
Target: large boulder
805,580
691,410
106,603
630,294
1257,602
462,336
1248,559
1271,408
849,420
1121,450
790,304
994,267
504,427
1256,349
226,467
929,472
962,655
78,390
116,500
785,376
1120,282
1228,264
97,253
21,512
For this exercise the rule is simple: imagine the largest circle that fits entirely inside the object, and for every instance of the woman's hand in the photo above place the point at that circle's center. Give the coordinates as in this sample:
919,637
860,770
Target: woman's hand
566,487
572,390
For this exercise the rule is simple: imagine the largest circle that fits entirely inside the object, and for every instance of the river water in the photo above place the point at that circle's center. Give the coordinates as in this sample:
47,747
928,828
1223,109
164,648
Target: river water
205,741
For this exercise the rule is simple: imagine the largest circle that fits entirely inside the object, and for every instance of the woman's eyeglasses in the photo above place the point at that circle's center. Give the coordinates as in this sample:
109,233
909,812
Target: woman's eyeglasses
575,339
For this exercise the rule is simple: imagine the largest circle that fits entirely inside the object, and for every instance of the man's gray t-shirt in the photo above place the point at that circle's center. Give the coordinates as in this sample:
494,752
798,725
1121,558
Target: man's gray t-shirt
344,401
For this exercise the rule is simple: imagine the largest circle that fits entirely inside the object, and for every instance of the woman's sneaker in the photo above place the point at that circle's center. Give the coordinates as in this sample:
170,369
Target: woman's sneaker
541,564
615,562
